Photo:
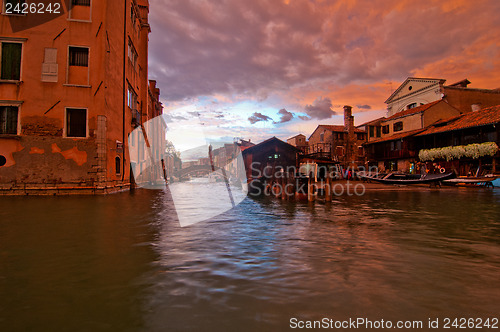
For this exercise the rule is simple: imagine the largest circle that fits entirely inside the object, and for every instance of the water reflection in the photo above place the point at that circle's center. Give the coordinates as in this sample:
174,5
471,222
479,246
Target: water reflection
123,262
390,255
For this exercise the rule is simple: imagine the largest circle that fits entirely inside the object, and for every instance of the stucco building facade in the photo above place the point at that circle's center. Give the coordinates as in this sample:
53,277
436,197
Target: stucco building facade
340,143
73,87
414,92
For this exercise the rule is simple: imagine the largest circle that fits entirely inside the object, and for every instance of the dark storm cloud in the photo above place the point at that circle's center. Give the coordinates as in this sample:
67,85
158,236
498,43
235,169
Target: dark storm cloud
320,109
285,116
256,47
256,117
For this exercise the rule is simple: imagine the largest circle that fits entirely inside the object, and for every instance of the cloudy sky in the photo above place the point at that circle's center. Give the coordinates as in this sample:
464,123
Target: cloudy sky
256,69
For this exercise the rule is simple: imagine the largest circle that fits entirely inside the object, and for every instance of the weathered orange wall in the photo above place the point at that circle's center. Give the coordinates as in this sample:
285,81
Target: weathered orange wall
102,88
463,98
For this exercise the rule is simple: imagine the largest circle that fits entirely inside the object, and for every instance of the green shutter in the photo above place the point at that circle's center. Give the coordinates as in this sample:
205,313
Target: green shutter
11,61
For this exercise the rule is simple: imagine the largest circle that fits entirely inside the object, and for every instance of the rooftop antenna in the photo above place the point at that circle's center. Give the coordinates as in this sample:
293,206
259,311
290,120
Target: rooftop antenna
390,87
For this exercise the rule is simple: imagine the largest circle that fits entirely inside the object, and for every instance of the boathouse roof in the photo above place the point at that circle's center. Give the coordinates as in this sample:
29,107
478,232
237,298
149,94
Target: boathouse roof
486,116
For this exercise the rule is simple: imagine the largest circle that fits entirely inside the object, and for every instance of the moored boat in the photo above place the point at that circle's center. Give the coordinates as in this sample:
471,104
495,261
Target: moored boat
471,180
401,178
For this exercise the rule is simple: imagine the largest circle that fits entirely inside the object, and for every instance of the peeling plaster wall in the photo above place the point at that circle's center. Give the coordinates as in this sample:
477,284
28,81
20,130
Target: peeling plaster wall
40,153
47,160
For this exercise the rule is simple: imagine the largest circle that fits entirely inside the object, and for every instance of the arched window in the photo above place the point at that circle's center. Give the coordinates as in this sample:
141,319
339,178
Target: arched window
118,165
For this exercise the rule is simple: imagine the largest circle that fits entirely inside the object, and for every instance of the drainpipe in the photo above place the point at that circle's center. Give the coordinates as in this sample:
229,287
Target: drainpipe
124,83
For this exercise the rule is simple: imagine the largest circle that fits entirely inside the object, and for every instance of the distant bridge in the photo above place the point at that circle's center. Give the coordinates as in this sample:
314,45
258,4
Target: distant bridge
195,169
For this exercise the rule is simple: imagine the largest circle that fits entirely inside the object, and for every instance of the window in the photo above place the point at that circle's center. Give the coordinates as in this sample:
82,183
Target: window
412,105
132,98
396,145
80,10
132,104
8,119
11,61
76,122
132,14
132,54
80,2
322,137
360,151
78,56
78,66
372,131
397,126
118,165
379,129
339,151
385,129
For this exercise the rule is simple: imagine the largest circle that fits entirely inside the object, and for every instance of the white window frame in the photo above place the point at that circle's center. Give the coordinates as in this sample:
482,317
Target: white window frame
65,128
18,105
79,20
67,68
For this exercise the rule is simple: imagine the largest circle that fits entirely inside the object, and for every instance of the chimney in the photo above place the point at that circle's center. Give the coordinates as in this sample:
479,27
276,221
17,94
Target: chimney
475,107
351,139
347,118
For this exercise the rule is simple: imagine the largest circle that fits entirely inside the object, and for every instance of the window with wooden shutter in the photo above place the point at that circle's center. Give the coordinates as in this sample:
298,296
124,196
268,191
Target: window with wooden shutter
49,65
11,61
8,119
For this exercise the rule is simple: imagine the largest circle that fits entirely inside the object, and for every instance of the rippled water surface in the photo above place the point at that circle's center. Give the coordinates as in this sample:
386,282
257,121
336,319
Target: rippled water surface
123,263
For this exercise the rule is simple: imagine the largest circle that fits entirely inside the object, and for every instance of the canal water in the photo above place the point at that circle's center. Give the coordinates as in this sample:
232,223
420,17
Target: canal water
123,263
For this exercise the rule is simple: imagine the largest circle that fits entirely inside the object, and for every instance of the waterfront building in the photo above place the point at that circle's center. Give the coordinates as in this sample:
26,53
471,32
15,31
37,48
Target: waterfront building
393,149
372,128
454,137
73,86
415,105
272,153
342,144
410,119
414,92
400,151
244,144
299,141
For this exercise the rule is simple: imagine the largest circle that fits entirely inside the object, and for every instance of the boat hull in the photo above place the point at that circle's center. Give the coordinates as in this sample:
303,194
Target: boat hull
471,181
404,179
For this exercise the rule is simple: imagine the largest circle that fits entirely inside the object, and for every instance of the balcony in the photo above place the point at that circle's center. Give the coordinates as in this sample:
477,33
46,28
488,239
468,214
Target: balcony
136,118
393,154
322,156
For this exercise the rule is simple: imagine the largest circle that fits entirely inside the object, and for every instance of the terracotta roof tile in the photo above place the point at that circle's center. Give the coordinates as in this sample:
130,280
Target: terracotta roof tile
489,115
376,121
272,140
415,110
396,136
339,128
296,136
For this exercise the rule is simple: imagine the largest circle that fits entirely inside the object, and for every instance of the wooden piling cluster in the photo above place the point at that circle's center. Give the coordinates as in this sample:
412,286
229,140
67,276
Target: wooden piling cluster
288,187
